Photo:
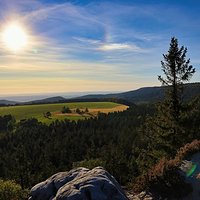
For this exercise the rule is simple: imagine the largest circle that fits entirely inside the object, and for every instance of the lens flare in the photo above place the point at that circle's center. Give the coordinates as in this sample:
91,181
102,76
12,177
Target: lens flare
191,171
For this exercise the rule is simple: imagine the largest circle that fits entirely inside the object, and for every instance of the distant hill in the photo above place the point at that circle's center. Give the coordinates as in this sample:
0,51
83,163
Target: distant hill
56,99
6,102
142,95
148,94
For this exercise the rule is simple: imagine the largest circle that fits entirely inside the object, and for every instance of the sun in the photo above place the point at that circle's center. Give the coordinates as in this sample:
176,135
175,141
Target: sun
14,37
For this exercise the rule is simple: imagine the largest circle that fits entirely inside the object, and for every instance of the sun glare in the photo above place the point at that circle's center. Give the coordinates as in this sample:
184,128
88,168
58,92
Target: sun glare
14,37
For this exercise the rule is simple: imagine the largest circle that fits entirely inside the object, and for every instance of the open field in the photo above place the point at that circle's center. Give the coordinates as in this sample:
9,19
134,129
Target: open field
37,111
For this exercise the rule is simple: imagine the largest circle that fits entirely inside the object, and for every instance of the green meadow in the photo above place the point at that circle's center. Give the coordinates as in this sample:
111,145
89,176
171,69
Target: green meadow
37,111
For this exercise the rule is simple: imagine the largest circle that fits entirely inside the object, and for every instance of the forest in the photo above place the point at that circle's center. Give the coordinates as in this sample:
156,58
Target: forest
127,143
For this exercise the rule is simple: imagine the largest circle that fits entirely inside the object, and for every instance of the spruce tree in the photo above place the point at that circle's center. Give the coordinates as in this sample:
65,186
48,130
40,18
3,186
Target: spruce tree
166,130
177,71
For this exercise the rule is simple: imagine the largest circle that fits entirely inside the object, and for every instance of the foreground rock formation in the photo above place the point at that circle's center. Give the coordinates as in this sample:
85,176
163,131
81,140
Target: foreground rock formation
98,184
191,171
79,184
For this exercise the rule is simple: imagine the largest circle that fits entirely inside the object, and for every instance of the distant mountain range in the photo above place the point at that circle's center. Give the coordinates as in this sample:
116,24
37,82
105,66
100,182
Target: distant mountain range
56,99
148,94
7,102
41,101
142,95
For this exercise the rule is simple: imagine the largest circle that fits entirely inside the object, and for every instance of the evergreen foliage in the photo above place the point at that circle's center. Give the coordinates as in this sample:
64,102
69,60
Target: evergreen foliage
177,70
167,129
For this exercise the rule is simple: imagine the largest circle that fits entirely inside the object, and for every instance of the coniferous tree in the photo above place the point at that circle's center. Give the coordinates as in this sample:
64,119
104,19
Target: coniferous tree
177,71
166,131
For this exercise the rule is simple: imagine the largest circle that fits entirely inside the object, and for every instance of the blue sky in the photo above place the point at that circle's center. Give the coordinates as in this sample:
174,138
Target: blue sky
99,45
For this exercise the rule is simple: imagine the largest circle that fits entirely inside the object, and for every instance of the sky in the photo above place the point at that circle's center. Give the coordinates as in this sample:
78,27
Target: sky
94,45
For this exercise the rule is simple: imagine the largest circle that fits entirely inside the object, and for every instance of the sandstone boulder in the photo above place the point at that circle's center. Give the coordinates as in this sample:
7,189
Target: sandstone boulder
79,184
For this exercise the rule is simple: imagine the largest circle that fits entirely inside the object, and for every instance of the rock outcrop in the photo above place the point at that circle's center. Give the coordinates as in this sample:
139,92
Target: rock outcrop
191,170
79,184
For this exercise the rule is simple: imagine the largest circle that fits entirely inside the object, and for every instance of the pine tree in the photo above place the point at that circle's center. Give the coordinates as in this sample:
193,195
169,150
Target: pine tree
177,71
166,130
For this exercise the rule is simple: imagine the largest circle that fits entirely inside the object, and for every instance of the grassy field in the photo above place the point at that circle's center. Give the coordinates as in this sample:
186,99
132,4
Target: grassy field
36,111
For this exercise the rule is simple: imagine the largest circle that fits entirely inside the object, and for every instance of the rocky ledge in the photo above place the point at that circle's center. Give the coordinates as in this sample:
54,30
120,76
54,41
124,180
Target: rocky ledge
79,184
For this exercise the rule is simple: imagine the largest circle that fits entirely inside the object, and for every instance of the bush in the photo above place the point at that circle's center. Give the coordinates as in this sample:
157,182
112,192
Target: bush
78,111
9,190
164,178
65,110
7,122
47,114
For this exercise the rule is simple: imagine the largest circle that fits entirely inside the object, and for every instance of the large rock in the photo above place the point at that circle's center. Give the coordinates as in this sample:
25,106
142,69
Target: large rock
191,170
79,184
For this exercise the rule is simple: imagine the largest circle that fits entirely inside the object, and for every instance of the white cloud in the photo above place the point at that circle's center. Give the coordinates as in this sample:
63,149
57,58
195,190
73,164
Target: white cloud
119,46
87,40
104,46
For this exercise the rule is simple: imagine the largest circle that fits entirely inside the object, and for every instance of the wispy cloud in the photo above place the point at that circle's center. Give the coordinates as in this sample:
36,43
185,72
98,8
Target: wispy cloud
119,46
106,46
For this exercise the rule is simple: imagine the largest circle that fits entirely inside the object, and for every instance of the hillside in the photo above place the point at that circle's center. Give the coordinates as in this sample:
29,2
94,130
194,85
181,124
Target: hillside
141,95
56,99
148,94
7,102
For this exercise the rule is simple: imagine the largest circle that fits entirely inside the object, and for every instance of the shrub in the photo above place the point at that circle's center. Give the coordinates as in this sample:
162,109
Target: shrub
78,111
47,114
164,178
9,190
65,110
